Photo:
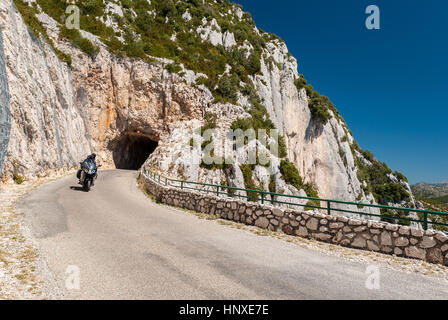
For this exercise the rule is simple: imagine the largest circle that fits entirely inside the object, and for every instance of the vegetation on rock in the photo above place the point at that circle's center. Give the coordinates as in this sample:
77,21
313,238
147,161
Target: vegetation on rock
249,182
319,105
292,176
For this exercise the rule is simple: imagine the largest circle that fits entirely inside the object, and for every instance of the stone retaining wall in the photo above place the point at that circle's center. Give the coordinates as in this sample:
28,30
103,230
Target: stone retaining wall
401,241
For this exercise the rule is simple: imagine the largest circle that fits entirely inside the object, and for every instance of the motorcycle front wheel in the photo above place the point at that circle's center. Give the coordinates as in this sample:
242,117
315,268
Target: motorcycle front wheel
87,185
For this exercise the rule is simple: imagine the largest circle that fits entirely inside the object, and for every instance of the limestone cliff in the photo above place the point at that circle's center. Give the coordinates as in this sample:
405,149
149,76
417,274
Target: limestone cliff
126,92
5,116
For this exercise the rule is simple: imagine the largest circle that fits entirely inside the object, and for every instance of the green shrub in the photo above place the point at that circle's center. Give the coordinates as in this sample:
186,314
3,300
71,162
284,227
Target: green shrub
18,179
390,192
54,8
201,81
401,176
29,15
228,87
300,82
173,68
282,152
86,46
230,192
290,174
311,191
319,108
376,177
64,57
135,49
82,43
272,186
368,155
388,216
318,104
92,7
391,216
242,123
210,122
253,64
249,182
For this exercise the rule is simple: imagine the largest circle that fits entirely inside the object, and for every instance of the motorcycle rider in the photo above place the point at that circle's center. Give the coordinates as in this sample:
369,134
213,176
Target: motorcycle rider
90,158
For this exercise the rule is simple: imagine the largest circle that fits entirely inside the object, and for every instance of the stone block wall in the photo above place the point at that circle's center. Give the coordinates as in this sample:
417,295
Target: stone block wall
402,241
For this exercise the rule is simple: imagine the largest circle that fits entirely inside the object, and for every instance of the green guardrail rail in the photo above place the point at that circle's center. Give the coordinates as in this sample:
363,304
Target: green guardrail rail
426,217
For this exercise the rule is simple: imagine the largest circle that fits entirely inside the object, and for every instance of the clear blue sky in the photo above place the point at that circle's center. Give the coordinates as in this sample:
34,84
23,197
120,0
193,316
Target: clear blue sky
390,85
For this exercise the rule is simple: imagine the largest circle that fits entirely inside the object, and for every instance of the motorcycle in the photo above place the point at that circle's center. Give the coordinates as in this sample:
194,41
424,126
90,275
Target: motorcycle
87,175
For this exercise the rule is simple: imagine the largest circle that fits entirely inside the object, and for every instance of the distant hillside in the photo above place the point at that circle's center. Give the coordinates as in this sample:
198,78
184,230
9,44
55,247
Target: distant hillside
443,184
431,191
433,196
443,199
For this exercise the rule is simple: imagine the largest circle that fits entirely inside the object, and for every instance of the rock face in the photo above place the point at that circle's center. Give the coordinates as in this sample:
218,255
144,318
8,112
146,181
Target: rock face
59,115
48,128
5,116
322,155
128,110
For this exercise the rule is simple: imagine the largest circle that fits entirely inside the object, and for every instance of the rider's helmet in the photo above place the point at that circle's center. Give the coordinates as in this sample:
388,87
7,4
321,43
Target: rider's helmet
92,156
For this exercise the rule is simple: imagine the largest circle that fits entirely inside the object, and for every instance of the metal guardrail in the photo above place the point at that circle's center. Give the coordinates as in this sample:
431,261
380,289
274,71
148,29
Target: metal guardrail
313,203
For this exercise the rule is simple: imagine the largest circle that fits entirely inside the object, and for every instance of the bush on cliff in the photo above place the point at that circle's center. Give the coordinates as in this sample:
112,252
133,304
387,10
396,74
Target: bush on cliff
249,182
83,44
377,181
290,174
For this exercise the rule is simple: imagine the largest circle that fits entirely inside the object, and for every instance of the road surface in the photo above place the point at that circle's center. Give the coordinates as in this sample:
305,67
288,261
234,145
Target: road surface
127,247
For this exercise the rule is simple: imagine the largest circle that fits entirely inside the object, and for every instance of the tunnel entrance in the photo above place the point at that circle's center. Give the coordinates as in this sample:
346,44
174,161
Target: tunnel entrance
132,150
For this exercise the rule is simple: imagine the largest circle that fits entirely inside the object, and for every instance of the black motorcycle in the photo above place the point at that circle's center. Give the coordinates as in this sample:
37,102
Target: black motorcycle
87,175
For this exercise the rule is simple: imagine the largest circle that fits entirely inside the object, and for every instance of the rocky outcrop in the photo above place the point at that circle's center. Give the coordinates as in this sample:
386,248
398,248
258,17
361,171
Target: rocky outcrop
48,129
322,154
5,116
60,114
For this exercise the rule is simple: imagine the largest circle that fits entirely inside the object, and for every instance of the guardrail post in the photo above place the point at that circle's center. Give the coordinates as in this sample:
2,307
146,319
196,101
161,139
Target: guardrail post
217,191
329,208
181,184
262,198
159,178
425,221
166,181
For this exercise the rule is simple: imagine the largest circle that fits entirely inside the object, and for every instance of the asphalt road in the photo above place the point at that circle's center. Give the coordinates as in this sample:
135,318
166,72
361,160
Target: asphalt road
127,247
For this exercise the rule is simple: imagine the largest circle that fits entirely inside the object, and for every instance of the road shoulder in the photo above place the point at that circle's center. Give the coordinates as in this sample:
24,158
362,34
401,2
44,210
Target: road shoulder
24,274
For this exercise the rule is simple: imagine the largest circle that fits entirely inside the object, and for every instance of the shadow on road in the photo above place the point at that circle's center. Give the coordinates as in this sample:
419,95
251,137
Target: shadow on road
77,188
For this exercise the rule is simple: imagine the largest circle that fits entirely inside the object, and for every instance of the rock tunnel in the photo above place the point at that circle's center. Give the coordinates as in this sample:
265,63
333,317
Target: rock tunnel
131,150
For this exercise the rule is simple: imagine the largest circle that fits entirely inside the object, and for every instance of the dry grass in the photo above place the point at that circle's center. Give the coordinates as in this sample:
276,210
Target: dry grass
19,277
